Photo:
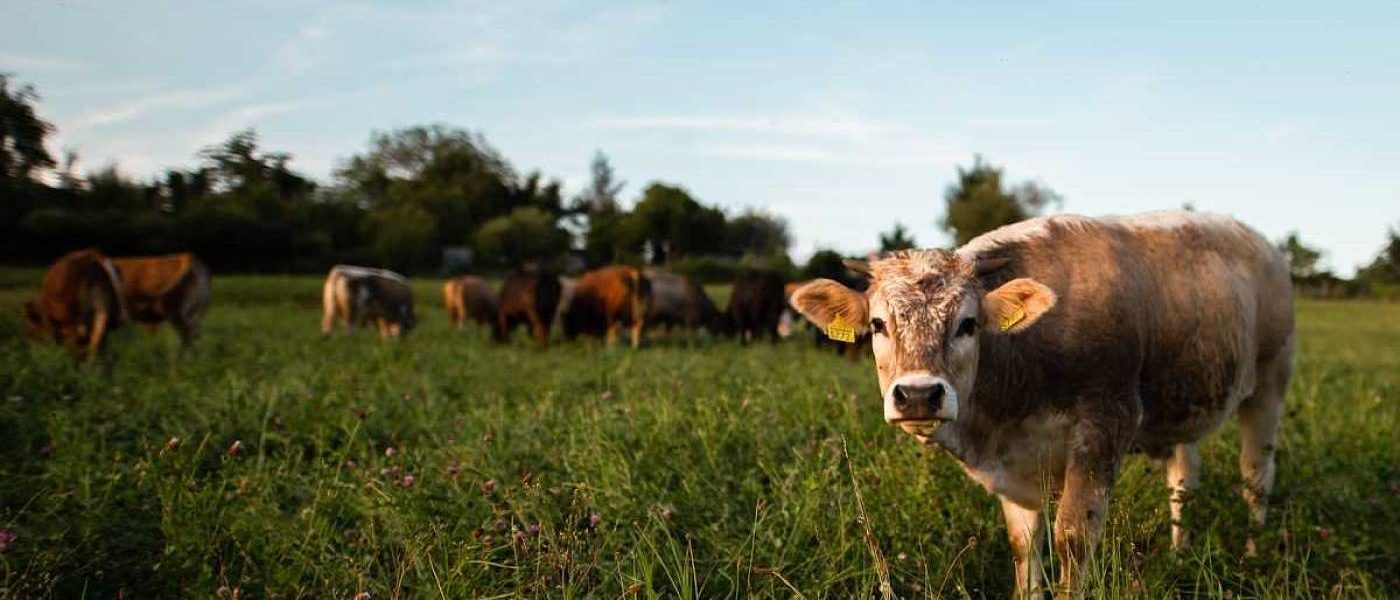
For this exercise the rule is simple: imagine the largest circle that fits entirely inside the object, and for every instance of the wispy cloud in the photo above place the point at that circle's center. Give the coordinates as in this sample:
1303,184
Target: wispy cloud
830,125
163,101
244,117
772,152
305,51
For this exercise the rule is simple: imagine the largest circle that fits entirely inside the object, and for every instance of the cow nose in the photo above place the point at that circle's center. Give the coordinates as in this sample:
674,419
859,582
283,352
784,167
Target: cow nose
908,396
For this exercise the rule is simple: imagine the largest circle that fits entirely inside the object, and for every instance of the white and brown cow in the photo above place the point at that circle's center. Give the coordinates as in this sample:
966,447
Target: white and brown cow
1041,353
360,295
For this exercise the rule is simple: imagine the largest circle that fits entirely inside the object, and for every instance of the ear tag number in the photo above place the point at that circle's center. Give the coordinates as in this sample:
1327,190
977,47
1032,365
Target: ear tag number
1010,319
841,331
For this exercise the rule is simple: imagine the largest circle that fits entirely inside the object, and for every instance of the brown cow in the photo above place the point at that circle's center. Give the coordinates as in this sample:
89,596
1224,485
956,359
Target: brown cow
471,297
172,288
359,295
606,299
528,297
80,301
1041,353
756,305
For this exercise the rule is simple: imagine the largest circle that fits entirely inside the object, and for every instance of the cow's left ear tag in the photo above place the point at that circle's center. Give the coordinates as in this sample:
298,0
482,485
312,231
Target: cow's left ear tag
1010,319
841,331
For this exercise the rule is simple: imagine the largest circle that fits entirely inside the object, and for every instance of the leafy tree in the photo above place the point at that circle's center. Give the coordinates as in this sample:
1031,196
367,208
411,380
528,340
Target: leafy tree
825,263
981,201
527,234
1302,259
897,239
603,188
22,134
1385,268
668,224
598,216
403,236
757,233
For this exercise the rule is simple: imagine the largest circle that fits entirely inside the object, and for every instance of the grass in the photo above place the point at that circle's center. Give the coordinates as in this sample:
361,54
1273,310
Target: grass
444,466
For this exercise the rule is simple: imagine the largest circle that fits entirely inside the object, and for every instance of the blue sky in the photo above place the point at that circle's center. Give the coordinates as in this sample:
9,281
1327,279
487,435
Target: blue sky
842,117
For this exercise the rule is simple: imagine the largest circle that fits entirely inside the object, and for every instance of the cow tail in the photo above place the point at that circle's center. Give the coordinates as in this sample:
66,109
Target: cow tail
329,300
200,288
115,298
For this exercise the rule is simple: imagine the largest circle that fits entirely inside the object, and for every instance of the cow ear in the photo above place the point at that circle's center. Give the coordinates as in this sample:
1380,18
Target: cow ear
823,301
1016,305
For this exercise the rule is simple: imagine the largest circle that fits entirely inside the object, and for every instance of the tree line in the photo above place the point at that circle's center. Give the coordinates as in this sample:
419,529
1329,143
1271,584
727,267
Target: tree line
435,199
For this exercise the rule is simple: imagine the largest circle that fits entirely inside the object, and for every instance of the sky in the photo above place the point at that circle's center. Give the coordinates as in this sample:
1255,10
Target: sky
841,117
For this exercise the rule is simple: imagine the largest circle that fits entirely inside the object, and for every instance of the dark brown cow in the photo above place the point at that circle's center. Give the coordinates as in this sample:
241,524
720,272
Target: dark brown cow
80,301
756,305
1041,353
528,297
172,288
606,299
471,297
679,301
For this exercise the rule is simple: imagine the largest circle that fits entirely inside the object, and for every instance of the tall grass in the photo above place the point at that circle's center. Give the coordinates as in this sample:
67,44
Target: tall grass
444,466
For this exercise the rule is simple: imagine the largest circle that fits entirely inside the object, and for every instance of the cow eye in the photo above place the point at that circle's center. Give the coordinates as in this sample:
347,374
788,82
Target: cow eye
877,325
967,326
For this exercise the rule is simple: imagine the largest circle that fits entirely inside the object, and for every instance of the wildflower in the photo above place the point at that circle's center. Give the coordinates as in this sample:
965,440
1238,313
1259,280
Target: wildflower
454,469
972,541
391,470
519,537
390,451
7,537
606,395
407,480
360,414
488,486
1324,532
363,596
500,525
533,529
594,520
668,513
487,438
236,448
172,444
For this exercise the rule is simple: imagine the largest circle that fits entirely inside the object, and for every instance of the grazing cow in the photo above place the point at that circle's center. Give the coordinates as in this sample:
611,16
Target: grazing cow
756,305
679,301
1041,353
470,297
606,299
172,288
80,301
529,297
359,295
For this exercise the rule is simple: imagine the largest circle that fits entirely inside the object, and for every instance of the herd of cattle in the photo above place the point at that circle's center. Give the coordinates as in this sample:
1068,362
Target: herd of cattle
1038,355
86,294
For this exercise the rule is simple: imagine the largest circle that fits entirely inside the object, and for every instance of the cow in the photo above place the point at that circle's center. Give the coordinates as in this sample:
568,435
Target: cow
470,297
1041,353
756,305
605,300
360,295
172,288
79,303
529,297
678,301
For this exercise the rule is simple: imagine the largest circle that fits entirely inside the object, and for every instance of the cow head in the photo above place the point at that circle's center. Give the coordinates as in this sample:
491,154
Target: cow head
926,311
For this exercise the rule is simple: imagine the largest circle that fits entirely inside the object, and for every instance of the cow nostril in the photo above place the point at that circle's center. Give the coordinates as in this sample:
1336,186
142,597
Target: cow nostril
901,398
935,394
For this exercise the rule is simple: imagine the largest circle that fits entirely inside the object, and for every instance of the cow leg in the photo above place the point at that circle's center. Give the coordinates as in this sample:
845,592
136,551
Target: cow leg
1095,451
1183,475
1259,418
611,335
187,333
540,330
1024,528
636,333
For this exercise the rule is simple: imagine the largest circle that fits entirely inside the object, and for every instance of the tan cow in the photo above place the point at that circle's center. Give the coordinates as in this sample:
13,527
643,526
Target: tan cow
471,297
80,302
606,299
1041,353
359,295
172,288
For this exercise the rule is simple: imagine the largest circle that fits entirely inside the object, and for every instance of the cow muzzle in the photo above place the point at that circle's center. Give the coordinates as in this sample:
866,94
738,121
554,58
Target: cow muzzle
920,400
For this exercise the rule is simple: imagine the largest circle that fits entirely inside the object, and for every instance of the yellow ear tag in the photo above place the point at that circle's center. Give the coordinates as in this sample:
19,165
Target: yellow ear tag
1010,319
841,331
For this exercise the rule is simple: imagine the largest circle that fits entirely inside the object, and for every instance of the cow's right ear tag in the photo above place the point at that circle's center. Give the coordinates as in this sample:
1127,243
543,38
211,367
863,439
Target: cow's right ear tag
841,331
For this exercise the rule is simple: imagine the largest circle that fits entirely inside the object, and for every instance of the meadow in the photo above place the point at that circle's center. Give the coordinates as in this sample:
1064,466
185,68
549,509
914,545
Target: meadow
280,464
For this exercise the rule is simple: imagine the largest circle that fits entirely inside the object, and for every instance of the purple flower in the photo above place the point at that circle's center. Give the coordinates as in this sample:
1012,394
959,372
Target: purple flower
533,529
594,520
6,538
488,486
407,481
390,451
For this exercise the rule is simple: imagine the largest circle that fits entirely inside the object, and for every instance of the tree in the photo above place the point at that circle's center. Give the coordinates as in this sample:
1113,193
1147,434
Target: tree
402,237
1302,259
1385,268
22,134
896,239
603,188
668,224
980,202
825,263
527,234
756,233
